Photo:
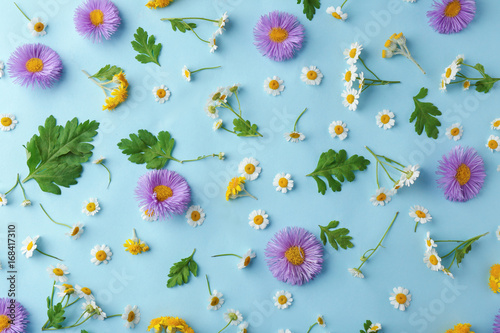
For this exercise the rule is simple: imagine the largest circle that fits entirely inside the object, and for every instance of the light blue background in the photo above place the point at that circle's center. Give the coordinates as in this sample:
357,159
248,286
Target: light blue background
344,301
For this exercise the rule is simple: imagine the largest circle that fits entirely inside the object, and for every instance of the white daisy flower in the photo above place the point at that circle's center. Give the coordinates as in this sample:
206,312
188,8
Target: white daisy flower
338,129
64,289
84,292
447,273
221,23
243,328
283,299
100,254
91,207
350,75
3,200
186,73
258,219
466,85
352,54
455,132
211,108
493,143
217,124
215,301
361,80
26,203
429,242
294,136
29,246
400,298
91,307
410,174
321,321
385,119
397,186
37,27
7,122
132,316
374,328
420,214
498,233
283,182
450,73
336,13
356,273
161,94
381,197
311,75
246,259
195,216
249,168
147,215
432,260
223,92
76,230
350,99
442,85
495,124
99,160
459,59
284,331
274,86
233,316
212,42
58,273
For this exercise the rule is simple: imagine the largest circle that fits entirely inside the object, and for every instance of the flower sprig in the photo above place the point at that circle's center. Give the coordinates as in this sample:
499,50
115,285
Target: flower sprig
319,322
186,73
169,324
483,84
135,246
3,196
245,260
36,25
396,44
337,12
100,161
356,272
75,231
236,186
295,136
369,327
30,246
113,83
460,328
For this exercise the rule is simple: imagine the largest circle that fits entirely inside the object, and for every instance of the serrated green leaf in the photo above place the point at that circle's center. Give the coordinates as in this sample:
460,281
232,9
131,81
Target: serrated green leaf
193,267
486,84
336,237
146,47
83,331
480,69
180,271
332,164
425,114
56,154
310,7
244,127
107,72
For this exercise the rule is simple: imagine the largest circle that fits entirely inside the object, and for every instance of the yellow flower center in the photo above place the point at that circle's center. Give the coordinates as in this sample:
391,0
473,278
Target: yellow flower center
4,323
258,220
401,298
336,15
58,272
493,144
381,197
161,93
90,206
348,76
294,135
295,255
214,301
496,123
86,290
495,271
163,192
352,53
39,27
428,242
320,321
247,261
420,214
30,246
448,72
223,97
453,9
6,121
101,255
97,17
385,119
312,75
75,231
134,248
195,215
463,174
278,35
283,182
455,131
131,316
466,84
187,73
339,129
249,168
34,65
433,260
350,98
282,299
274,84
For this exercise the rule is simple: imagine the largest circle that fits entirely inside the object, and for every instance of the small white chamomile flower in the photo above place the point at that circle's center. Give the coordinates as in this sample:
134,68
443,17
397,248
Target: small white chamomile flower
161,94
37,27
420,214
381,197
29,246
493,143
221,23
356,273
352,53
100,254
258,219
195,216
429,242
495,124
246,259
76,230
455,132
375,327
311,75
249,168
84,292
450,73
283,182
337,13
131,315
148,215
243,328
321,321
400,298
274,86
58,273
91,207
217,125
432,260
282,299
338,129
385,119
215,301
294,136
410,174
7,122
350,98
233,317
350,75
212,42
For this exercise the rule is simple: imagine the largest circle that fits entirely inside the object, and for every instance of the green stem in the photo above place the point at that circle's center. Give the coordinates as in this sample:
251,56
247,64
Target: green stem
296,121
202,69
368,68
13,187
225,326
188,18
48,255
206,41
52,297
310,327
248,194
109,173
208,284
195,159
70,304
22,188
229,107
448,241
225,129
238,99
376,175
342,6
226,254
415,62
74,325
22,12
96,82
387,173
116,315
416,225
65,225
382,163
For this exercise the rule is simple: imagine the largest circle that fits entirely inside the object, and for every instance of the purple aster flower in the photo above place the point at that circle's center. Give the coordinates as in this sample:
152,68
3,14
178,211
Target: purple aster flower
462,174
163,193
13,316
294,255
449,16
95,19
278,35
496,324
35,65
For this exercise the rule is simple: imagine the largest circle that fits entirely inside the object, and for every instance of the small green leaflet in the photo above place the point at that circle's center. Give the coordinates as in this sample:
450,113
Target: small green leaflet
336,237
332,164
178,24
144,147
147,49
244,127
55,315
366,326
485,84
83,331
107,72
310,7
180,271
425,113
55,156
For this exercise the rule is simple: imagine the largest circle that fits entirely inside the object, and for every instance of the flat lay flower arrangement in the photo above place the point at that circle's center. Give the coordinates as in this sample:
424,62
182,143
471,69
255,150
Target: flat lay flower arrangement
239,175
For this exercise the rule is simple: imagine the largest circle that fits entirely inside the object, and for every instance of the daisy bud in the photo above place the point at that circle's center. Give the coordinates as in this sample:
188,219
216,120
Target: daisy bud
222,156
216,96
234,88
387,54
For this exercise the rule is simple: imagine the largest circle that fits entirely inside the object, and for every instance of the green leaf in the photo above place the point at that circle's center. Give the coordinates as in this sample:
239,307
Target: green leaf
486,84
244,127
425,113
366,326
181,25
144,147
480,69
180,271
146,47
332,164
336,237
310,7
56,154
83,331
107,72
